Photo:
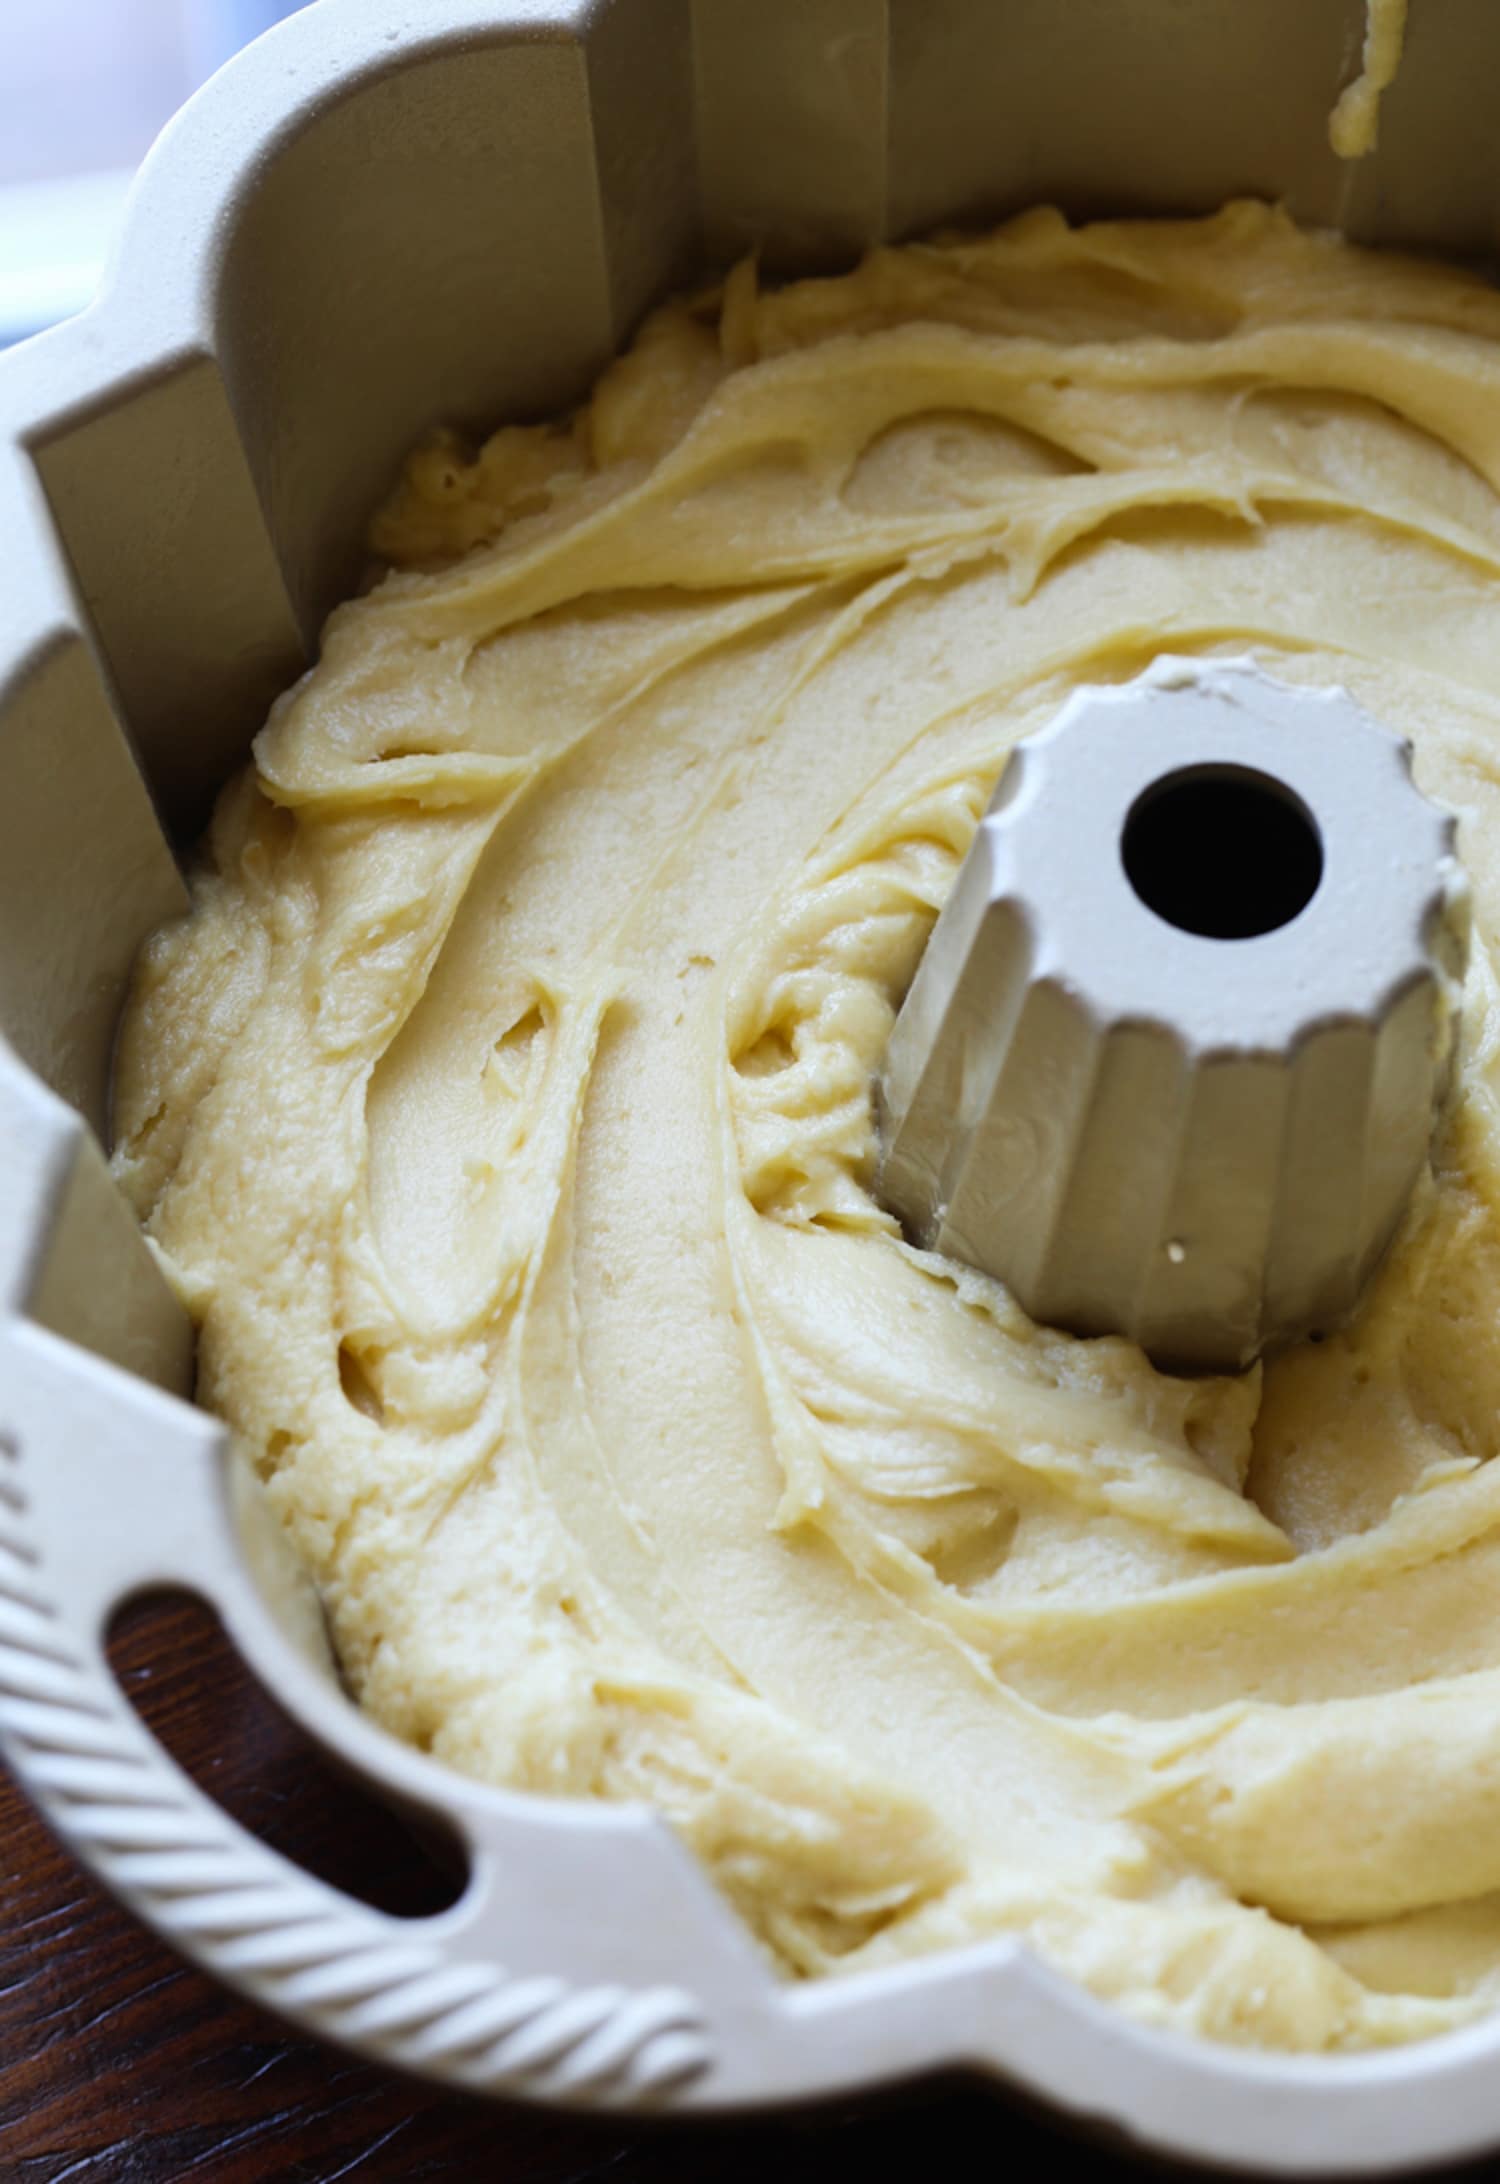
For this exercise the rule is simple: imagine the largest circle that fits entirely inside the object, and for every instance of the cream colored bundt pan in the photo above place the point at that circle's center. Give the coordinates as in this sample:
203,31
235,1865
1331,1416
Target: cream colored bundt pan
387,212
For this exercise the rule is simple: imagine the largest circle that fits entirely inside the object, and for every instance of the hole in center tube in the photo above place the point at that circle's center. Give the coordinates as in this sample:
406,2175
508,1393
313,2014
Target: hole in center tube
1222,851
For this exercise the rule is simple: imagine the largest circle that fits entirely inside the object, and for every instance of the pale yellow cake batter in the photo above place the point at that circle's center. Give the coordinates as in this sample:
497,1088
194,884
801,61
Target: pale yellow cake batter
503,1112
1354,124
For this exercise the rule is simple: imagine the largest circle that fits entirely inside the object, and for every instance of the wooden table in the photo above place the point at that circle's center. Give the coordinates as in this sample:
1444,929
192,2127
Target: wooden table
121,2064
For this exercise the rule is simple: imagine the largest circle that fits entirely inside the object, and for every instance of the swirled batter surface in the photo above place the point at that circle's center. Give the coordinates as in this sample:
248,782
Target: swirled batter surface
503,1111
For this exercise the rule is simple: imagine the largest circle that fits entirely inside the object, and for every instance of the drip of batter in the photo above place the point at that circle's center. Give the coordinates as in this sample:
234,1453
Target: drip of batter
502,1111
1354,124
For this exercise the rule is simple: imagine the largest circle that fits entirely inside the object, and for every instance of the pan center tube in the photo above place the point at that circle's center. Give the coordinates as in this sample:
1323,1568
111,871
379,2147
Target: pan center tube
1171,1061
1222,852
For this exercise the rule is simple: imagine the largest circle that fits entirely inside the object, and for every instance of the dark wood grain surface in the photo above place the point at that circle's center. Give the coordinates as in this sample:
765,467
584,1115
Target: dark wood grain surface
121,2064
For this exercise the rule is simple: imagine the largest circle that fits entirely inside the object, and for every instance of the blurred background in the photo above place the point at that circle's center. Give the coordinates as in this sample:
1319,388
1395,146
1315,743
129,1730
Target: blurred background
85,85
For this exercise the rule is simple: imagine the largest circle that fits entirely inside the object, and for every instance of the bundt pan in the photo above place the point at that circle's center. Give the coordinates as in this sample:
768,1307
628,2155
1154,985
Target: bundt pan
389,212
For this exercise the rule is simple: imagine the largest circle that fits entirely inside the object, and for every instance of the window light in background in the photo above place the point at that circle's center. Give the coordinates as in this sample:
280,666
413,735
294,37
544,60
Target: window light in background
85,85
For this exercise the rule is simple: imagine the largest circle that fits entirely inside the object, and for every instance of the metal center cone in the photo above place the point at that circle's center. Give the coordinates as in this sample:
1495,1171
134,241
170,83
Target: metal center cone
1170,1064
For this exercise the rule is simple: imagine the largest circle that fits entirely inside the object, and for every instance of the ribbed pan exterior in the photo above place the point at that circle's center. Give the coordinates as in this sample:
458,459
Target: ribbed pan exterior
1202,1139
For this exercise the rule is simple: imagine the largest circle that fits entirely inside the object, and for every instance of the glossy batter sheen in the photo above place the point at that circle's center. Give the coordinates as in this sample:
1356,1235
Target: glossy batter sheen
503,1113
